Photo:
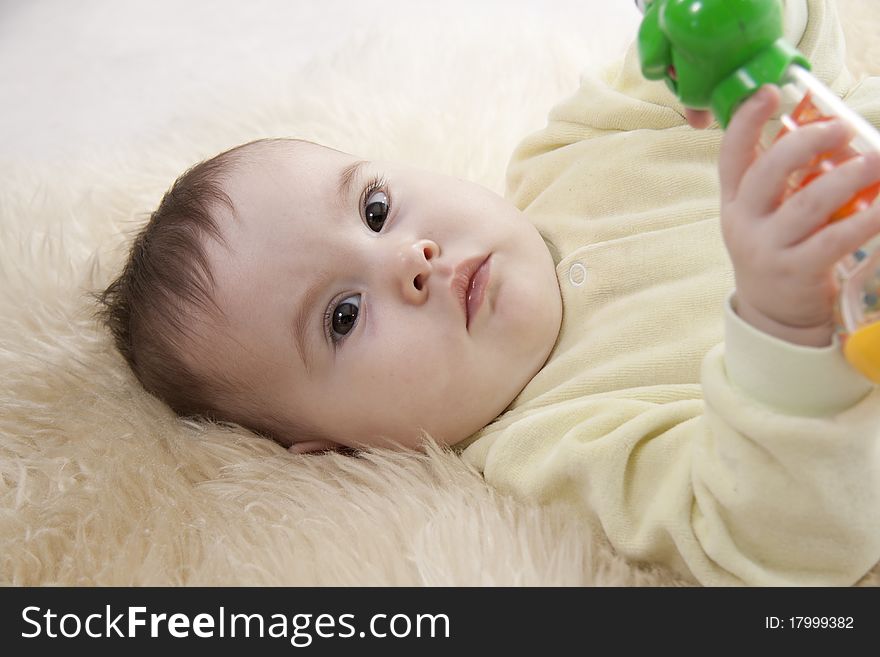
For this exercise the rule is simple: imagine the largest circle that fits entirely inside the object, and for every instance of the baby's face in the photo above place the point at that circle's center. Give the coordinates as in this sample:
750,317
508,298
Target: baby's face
369,302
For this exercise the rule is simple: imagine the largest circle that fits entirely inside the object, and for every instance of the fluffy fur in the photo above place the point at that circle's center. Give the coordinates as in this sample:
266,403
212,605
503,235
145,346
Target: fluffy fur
100,484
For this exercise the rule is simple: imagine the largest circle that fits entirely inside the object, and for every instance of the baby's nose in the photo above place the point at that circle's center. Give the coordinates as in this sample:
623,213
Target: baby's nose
416,263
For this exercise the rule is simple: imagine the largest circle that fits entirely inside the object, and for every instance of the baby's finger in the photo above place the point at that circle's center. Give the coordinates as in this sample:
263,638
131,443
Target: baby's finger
810,208
767,178
841,238
740,145
697,118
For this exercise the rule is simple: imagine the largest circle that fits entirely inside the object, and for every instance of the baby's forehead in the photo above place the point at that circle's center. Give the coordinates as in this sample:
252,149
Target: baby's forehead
295,151
279,192
282,165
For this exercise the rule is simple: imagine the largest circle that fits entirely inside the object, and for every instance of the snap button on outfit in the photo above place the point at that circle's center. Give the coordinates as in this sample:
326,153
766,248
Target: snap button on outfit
577,274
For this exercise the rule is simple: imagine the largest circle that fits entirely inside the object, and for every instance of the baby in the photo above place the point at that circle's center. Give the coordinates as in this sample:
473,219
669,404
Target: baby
330,301
569,341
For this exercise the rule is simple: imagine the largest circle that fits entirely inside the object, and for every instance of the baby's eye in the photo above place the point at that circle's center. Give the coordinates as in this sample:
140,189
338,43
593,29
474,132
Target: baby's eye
344,317
376,210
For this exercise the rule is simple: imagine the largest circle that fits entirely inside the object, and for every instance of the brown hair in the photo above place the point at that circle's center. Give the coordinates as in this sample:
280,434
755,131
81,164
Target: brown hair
165,291
166,280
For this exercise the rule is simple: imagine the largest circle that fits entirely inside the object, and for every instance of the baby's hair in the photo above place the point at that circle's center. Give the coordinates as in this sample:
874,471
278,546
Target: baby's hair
165,284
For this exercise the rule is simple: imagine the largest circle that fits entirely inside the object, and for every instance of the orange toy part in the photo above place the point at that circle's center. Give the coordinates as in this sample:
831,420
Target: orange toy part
806,112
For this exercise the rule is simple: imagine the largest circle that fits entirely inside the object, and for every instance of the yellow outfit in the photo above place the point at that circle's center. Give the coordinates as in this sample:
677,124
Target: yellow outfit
685,435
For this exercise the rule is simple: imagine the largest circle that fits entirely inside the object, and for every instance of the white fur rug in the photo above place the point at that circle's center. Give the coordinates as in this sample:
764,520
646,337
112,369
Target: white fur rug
101,485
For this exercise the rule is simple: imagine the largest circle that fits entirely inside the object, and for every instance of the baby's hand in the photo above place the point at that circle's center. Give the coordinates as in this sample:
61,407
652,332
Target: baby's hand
784,253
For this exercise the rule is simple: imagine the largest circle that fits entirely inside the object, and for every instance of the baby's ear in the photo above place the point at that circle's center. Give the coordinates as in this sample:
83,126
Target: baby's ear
310,446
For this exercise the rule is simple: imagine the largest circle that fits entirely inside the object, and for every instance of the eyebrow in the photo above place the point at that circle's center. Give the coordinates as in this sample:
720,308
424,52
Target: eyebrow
301,317
347,178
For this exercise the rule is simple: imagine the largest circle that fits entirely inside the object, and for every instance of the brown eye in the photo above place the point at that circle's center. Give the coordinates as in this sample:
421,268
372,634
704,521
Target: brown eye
344,316
376,210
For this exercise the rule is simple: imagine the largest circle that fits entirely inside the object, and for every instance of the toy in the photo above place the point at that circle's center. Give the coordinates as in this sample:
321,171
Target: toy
713,54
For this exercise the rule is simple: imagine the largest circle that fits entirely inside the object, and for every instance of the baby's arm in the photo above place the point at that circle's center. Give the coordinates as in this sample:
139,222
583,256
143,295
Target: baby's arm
785,469
784,253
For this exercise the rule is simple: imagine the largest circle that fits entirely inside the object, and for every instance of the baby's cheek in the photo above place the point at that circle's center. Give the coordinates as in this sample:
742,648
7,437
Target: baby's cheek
431,363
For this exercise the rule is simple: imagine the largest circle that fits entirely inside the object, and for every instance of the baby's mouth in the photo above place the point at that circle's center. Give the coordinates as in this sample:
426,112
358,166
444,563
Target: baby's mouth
469,282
